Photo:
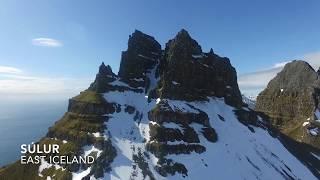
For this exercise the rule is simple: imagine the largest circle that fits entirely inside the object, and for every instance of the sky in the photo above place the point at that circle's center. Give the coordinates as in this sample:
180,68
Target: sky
54,47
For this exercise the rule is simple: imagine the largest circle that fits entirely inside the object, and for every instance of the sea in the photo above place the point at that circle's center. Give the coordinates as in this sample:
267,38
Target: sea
26,120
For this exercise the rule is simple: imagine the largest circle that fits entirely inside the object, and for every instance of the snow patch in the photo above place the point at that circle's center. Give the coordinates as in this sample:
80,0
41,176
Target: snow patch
172,125
314,131
315,155
129,136
158,100
138,79
97,134
151,75
146,57
196,56
89,149
119,83
81,174
317,114
175,83
305,123
45,165
181,106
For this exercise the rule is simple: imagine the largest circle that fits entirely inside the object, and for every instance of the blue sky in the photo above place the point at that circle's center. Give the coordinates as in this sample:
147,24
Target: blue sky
55,46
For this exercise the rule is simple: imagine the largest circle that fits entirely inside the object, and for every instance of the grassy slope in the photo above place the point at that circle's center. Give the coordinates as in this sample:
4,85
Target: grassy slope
71,127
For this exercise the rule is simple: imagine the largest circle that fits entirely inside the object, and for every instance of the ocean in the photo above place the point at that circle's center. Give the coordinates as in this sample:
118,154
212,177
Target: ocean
25,121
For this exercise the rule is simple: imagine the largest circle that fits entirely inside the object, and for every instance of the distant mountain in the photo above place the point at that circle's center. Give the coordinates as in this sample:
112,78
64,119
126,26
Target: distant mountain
292,97
172,113
249,100
291,102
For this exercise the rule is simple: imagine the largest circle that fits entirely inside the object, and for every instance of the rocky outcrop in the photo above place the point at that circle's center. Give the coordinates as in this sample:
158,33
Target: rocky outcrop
186,72
90,103
89,108
103,78
190,74
142,55
291,100
174,131
107,81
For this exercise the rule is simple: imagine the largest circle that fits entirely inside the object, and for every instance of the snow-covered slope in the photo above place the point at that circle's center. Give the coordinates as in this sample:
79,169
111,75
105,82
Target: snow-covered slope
239,152
184,118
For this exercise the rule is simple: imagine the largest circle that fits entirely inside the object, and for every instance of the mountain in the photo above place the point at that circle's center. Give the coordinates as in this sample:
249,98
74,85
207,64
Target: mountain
172,113
291,99
250,101
291,103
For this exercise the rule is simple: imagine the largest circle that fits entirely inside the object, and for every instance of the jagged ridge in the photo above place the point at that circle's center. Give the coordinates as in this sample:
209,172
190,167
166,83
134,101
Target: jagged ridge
168,114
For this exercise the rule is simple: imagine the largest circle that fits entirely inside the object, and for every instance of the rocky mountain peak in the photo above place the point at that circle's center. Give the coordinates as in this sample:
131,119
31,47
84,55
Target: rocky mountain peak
294,77
183,32
291,99
183,35
211,51
181,72
142,55
140,41
190,74
105,70
103,78
182,47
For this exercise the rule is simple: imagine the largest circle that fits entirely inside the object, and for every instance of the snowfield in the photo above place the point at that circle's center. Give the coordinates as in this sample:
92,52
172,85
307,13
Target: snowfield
127,135
238,153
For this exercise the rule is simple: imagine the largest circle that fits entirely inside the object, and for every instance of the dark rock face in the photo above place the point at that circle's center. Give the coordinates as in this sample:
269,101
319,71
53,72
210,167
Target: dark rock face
143,53
181,48
185,71
291,99
105,70
190,74
103,78
178,128
90,108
